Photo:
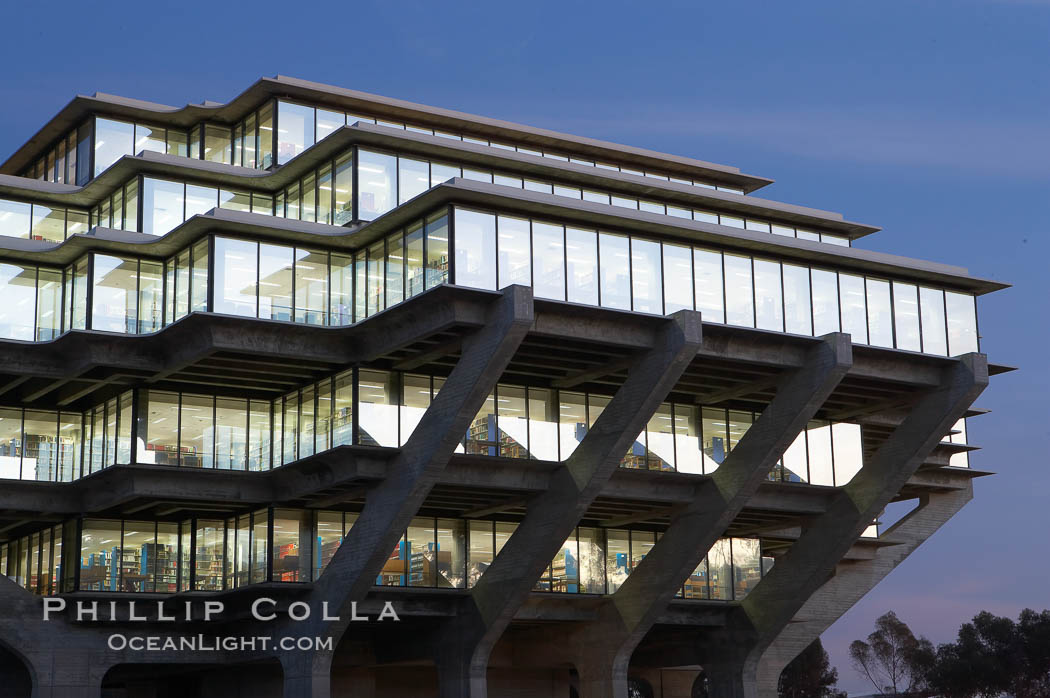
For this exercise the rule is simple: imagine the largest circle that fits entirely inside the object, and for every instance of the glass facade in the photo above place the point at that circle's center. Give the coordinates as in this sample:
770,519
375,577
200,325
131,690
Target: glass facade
41,222
727,288
296,545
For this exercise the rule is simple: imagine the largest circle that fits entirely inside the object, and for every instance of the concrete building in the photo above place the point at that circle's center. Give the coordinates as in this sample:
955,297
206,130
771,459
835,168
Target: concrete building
584,416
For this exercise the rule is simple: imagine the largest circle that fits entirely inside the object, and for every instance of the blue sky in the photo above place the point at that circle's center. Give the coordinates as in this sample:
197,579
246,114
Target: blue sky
930,119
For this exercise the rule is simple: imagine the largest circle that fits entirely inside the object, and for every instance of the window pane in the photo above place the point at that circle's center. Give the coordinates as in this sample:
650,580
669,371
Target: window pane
818,439
747,566
678,278
210,555
115,289
295,130
906,316
414,259
617,558
378,409
259,435
769,312
825,302
275,282
236,270
48,304
328,121
218,144
376,278
344,185
931,308
162,205
962,323
307,415
572,418
513,426
324,195
798,317
543,425
852,307
376,174
481,551
615,269
720,570
716,438
450,555
740,304
289,426
413,178
113,139
395,269
707,267
880,315
565,567
688,449
475,249
442,173
231,419
196,431
437,250
311,286
48,224
515,258
848,451
796,468
646,283
659,439
15,219
151,138
235,200
548,259
99,554
265,158
199,288
581,256
481,437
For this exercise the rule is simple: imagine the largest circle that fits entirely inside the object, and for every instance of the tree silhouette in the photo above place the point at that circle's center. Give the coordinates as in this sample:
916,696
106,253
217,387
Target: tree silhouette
809,675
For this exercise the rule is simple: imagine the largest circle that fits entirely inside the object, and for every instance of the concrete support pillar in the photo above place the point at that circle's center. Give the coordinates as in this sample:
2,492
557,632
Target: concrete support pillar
307,674
552,516
390,506
853,580
70,673
810,563
624,620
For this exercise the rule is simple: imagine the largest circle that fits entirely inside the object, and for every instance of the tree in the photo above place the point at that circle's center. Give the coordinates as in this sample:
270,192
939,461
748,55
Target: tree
809,675
888,658
994,655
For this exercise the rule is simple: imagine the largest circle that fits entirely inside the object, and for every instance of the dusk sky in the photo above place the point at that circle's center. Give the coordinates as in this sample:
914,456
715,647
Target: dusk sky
929,119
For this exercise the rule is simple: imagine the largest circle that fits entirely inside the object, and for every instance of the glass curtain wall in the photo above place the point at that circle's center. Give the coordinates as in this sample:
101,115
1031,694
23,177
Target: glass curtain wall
731,288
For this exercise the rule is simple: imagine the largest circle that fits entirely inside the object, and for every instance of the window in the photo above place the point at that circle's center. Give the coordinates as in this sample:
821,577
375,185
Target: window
678,278
413,179
769,310
236,271
880,313
646,277
740,304
475,249
515,258
710,299
852,307
615,270
275,282
437,250
548,258
162,205
581,256
113,139
376,177
825,302
962,323
906,316
295,130
932,321
114,294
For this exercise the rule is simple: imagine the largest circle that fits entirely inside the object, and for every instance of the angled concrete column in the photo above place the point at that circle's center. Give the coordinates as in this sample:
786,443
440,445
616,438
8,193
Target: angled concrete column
390,506
855,579
731,656
604,647
551,517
